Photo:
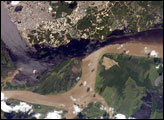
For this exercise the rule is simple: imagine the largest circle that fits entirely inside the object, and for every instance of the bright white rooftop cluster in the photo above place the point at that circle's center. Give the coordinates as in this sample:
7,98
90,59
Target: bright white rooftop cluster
54,115
14,3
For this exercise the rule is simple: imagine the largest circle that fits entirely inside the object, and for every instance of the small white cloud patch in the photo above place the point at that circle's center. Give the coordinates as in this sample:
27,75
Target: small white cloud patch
157,67
34,71
14,3
76,109
101,117
154,53
3,96
37,115
78,78
50,9
120,116
54,115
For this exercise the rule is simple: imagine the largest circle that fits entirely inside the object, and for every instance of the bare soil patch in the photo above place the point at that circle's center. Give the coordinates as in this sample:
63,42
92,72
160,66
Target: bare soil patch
108,63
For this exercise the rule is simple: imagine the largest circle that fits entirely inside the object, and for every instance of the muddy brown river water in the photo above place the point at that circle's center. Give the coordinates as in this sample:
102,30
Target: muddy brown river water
90,50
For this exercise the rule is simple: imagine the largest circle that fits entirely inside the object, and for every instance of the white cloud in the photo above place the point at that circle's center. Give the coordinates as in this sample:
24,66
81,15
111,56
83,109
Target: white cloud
157,67
54,115
101,117
154,53
78,78
37,115
76,109
3,96
120,116
5,107
14,3
50,8
34,71
23,107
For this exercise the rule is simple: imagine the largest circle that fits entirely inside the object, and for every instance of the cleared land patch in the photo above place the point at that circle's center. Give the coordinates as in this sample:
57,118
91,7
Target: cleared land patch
108,63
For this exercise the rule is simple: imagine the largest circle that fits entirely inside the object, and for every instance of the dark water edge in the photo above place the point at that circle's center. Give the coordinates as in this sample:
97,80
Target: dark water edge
45,57
152,98
19,115
84,47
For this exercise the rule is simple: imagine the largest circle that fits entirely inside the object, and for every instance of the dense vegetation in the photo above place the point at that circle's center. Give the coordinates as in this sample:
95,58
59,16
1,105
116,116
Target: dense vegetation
60,79
124,86
93,111
61,7
7,64
135,16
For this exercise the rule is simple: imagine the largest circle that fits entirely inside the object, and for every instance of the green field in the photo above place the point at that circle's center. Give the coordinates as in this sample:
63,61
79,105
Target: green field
123,86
